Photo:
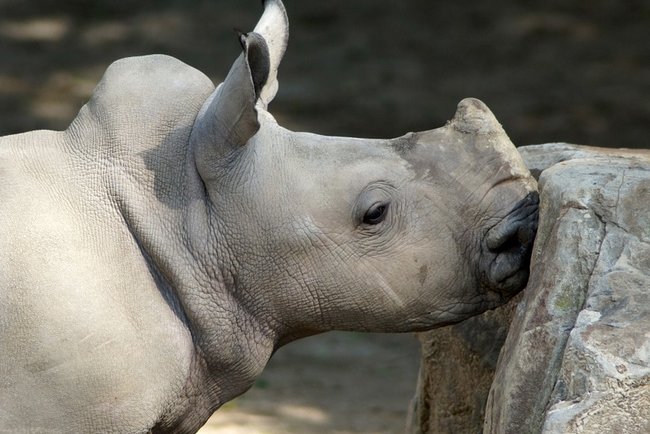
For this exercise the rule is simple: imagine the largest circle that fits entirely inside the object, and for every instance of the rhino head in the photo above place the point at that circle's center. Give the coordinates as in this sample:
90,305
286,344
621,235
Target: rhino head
330,233
160,249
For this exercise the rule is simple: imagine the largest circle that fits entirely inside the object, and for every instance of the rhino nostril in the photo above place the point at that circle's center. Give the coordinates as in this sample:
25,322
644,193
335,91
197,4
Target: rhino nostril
509,246
503,240
510,243
517,231
516,237
526,234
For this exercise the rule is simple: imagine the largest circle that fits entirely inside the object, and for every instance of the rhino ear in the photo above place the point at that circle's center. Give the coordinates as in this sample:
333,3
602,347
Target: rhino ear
274,28
228,118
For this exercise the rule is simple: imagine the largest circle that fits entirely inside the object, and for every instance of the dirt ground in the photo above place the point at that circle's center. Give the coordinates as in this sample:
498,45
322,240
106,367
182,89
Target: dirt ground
339,383
561,70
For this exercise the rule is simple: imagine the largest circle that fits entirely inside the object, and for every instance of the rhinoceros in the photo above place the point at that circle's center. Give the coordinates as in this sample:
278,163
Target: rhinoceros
158,251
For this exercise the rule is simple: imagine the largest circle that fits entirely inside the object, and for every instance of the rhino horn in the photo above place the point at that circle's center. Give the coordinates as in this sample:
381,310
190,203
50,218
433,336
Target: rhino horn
274,28
474,117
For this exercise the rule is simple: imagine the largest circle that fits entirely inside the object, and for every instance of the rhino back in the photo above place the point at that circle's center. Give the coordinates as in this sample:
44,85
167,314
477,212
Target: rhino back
82,315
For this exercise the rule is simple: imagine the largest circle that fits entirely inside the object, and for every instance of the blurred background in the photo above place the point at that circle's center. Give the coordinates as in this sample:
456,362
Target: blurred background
559,70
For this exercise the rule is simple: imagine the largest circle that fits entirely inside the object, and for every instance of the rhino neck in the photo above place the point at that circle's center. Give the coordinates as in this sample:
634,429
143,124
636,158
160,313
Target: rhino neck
129,149
162,203
176,230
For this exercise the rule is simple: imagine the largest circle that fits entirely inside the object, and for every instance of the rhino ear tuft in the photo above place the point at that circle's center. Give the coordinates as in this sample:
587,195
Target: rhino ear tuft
257,56
273,26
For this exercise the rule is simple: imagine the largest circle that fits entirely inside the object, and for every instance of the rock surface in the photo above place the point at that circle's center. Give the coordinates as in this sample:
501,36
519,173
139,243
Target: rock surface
577,355
457,368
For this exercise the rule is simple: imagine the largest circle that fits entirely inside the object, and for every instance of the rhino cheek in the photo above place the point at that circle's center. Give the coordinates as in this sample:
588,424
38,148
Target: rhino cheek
431,280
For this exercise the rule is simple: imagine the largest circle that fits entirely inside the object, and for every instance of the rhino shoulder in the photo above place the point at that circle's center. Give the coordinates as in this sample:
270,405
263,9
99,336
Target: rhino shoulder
152,77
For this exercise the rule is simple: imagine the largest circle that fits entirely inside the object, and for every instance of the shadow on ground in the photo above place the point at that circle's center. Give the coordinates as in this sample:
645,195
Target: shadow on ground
343,383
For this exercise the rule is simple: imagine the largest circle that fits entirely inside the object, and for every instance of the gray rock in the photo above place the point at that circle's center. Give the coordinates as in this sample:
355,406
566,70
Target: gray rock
577,355
456,371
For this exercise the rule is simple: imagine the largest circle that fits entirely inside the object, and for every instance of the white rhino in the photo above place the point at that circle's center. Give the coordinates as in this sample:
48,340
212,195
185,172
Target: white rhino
156,253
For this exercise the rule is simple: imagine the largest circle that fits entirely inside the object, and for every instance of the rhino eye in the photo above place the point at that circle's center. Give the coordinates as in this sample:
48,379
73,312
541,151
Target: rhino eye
375,214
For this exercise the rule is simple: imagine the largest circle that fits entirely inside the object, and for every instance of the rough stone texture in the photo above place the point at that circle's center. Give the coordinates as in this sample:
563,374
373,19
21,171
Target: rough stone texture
457,368
577,355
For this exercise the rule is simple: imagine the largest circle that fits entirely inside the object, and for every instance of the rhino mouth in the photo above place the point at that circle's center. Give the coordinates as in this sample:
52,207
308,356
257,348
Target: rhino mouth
508,246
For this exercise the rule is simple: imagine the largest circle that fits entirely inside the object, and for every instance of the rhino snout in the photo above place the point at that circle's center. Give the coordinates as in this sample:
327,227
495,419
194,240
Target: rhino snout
508,245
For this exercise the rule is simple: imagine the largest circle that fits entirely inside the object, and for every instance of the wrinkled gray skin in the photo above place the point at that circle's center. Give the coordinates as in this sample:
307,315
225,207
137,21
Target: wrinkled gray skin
156,253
